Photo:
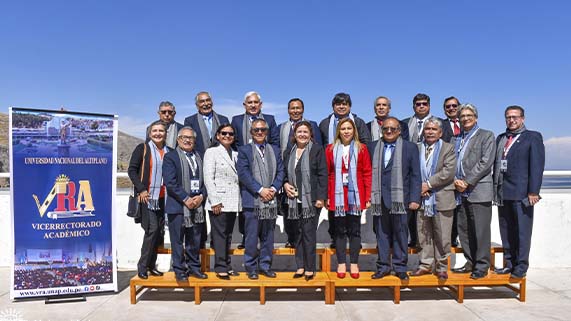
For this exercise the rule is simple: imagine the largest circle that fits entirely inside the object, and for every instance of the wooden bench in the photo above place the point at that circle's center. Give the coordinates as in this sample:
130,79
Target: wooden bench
283,280
456,282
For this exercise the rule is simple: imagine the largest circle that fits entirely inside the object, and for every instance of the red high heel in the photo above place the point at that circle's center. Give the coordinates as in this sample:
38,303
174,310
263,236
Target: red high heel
341,275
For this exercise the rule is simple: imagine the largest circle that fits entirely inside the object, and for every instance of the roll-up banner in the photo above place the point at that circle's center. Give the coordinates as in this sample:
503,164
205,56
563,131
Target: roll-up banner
63,180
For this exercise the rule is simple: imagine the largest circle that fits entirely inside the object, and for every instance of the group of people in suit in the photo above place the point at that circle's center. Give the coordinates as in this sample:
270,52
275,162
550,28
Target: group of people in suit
425,181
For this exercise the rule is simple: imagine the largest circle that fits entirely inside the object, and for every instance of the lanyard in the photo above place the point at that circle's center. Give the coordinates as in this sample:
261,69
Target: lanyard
509,145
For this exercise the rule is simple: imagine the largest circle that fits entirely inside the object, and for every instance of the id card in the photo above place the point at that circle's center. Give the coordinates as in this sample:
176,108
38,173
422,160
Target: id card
194,186
345,178
503,165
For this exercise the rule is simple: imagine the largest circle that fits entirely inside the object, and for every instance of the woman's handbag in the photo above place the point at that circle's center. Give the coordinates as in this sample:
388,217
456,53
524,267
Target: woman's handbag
135,209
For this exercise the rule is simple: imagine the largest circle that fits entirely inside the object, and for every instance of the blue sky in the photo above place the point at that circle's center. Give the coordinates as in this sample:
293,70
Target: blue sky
124,57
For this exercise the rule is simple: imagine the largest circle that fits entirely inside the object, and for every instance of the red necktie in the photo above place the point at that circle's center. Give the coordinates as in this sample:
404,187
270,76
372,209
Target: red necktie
456,127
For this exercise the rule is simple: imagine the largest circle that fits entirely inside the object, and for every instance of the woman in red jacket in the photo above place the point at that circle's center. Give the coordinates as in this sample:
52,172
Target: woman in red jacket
349,167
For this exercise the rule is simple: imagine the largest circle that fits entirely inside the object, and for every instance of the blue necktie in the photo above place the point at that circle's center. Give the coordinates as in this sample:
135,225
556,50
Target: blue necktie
388,153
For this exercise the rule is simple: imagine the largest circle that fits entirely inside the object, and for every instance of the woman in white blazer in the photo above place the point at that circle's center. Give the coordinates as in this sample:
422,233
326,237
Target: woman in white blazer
223,201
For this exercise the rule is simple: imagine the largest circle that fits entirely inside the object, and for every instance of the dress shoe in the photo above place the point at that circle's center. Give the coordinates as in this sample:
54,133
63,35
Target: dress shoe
354,275
233,273
143,275
420,272
241,246
309,277
402,275
504,270
223,276
289,245
380,274
155,272
268,273
518,275
442,275
478,275
341,275
298,275
181,278
463,269
198,275
332,245
253,276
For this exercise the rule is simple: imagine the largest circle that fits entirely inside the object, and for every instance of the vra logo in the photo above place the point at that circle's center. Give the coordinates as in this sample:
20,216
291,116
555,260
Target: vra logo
64,189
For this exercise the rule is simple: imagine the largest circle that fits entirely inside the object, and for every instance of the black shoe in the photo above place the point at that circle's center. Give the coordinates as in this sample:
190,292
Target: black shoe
223,276
181,278
253,276
298,275
143,275
380,274
402,275
463,269
332,245
289,245
478,275
241,246
233,273
198,275
268,273
155,272
504,270
309,277
518,275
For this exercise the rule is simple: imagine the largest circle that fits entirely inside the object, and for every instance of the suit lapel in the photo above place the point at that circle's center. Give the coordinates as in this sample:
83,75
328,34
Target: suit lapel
226,157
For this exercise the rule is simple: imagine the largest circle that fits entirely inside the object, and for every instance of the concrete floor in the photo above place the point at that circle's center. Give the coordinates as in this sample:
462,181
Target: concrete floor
548,298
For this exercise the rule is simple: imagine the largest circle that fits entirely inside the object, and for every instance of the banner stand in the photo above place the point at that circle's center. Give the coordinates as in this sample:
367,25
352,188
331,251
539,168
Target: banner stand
65,299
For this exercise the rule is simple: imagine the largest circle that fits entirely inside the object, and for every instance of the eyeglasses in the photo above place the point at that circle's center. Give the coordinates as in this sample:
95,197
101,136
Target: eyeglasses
390,129
258,130
255,102
424,103
231,134
467,116
513,117
451,106
191,138
167,112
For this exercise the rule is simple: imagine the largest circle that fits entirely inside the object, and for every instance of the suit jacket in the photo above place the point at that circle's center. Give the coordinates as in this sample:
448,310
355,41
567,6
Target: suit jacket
249,186
192,121
478,161
363,176
316,135
134,171
317,172
221,179
526,161
273,134
364,134
403,130
172,178
178,127
410,174
447,131
443,179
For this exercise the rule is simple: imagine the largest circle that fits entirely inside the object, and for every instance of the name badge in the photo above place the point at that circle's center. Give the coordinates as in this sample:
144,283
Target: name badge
194,186
503,165
345,178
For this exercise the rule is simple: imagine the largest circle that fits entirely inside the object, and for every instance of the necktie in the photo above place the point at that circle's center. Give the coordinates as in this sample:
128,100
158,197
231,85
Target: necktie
456,127
208,121
192,161
262,147
252,118
507,145
388,153
419,129
427,152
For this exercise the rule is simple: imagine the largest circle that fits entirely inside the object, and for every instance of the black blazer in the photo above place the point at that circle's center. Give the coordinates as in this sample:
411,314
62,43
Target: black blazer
134,170
403,129
317,171
364,133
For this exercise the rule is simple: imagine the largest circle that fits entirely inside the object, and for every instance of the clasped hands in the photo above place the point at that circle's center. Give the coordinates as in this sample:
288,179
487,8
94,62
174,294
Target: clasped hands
193,202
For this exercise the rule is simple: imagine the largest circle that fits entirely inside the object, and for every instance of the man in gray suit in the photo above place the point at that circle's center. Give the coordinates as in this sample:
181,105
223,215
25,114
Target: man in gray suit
475,149
436,212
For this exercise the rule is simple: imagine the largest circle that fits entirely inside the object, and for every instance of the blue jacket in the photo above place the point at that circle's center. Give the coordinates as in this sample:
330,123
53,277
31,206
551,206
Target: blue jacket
248,185
192,121
273,135
172,178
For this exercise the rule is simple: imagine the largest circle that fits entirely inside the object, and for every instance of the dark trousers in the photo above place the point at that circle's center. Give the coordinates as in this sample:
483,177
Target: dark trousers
221,230
264,231
305,243
454,231
348,226
241,223
331,228
290,226
153,223
392,232
474,221
412,232
184,258
516,224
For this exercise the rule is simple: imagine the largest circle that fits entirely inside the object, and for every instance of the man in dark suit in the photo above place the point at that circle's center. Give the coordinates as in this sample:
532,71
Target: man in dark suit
205,122
415,123
341,104
451,123
166,113
382,108
295,110
242,123
182,175
261,174
518,173
395,193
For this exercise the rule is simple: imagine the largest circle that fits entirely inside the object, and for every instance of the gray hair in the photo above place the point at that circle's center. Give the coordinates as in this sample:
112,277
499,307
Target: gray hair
186,128
387,98
469,107
250,93
201,93
434,120
259,120
166,103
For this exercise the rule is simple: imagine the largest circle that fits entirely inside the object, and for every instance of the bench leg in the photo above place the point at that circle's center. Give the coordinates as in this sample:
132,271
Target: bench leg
460,294
197,298
133,294
522,290
396,294
332,292
262,295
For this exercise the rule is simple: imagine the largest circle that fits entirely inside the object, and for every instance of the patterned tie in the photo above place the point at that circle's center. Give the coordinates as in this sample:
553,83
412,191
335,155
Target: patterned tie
388,153
419,129
262,147
193,164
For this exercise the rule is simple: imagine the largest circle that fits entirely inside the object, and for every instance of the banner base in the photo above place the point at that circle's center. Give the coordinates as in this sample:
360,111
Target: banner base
65,299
